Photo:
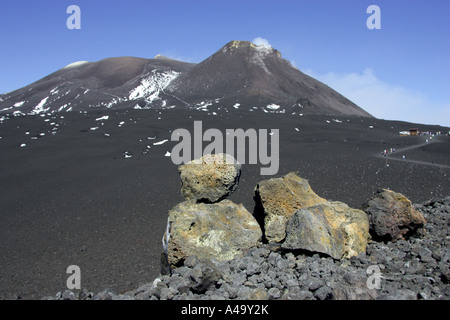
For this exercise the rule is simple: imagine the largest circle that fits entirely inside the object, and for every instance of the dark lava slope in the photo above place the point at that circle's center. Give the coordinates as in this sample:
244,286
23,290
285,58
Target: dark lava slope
245,73
117,83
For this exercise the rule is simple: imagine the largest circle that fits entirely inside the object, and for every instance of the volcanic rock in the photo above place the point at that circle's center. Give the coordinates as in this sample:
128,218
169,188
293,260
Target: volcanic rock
210,178
202,276
330,227
221,230
353,286
280,198
266,274
392,216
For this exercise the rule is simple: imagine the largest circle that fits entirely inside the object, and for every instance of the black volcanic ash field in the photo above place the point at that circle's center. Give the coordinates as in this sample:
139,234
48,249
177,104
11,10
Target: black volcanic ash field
70,196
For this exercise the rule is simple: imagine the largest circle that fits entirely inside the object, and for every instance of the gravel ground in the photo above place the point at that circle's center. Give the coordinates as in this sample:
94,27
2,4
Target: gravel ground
417,268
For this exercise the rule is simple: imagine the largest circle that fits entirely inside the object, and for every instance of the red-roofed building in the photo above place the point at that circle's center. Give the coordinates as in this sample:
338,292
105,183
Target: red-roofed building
414,132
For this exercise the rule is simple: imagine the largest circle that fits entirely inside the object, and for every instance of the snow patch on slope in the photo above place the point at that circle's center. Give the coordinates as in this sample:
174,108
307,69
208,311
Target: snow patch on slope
75,64
19,104
151,86
160,142
273,106
40,107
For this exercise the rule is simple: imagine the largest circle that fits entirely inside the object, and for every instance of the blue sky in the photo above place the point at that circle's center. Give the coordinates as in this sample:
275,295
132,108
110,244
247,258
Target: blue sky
399,72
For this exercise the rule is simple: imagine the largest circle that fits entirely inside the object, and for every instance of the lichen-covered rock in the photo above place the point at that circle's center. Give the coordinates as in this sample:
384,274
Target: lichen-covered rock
210,178
330,227
392,216
280,198
220,230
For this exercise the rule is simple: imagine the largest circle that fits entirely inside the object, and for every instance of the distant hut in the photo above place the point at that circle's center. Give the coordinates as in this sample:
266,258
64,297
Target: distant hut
414,132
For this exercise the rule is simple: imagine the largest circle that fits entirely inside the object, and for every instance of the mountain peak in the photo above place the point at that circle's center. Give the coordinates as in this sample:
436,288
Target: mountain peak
238,44
76,64
257,75
161,57
244,72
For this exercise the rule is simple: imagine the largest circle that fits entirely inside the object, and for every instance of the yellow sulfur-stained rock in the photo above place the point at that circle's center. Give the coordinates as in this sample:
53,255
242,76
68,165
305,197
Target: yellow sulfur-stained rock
221,230
332,228
280,198
210,178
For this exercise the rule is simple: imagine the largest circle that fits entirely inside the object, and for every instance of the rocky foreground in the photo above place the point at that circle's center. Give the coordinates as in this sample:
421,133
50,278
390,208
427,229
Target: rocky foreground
417,268
313,249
